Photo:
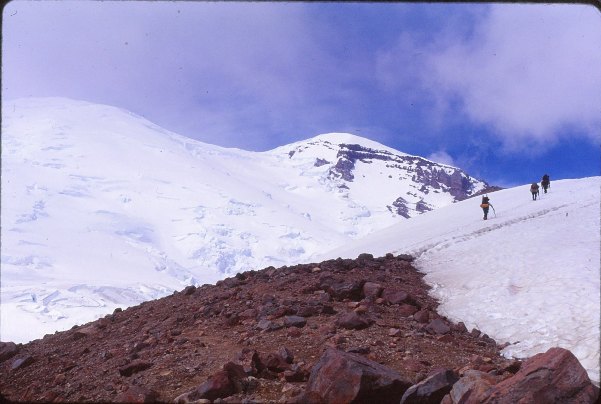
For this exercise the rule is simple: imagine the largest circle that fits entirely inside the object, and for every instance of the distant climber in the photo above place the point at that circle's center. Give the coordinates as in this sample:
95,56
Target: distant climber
534,190
485,205
546,182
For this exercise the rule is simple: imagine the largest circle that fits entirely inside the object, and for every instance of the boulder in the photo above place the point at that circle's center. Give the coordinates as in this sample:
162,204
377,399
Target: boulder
275,363
134,367
353,321
217,386
437,326
555,376
395,296
7,350
137,394
432,389
308,311
268,325
342,377
372,290
20,363
295,321
345,290
406,310
473,388
189,290
422,316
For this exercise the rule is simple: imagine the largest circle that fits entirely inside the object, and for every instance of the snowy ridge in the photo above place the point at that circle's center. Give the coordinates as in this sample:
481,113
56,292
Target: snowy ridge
102,208
529,276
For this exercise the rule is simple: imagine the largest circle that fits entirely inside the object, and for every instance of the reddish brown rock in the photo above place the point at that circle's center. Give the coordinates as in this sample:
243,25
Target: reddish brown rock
352,290
473,388
407,310
217,386
353,321
7,350
459,327
134,367
422,316
186,338
341,377
395,296
137,394
275,363
555,376
20,363
248,314
372,290
437,326
432,389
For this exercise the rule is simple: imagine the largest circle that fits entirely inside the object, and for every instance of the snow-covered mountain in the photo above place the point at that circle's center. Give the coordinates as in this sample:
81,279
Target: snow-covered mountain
529,276
101,208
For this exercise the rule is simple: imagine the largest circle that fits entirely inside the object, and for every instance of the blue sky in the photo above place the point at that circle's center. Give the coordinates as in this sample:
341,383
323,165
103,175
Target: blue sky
505,91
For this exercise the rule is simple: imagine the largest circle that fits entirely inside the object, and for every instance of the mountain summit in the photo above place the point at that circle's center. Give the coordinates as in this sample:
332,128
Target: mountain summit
102,208
376,175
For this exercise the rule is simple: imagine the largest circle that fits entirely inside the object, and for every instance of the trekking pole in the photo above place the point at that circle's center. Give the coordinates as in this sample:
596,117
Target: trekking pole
493,209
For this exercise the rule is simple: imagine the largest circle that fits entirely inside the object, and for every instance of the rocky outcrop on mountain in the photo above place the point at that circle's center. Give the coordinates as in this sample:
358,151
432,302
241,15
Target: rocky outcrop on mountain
424,176
341,330
430,175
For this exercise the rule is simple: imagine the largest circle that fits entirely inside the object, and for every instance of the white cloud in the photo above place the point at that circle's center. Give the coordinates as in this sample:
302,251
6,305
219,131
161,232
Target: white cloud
526,71
443,157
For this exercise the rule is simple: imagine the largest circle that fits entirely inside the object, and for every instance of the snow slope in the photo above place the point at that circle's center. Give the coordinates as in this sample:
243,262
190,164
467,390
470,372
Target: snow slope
103,209
529,276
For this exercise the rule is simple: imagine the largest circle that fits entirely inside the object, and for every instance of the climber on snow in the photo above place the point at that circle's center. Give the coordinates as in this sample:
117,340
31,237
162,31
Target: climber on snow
546,182
534,190
485,205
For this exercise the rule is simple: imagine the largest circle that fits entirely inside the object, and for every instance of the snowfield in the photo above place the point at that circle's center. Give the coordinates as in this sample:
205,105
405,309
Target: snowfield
528,276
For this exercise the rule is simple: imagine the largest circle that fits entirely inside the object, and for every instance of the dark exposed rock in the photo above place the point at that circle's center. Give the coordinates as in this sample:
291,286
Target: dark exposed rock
459,327
20,363
472,388
8,350
295,321
432,389
189,290
400,207
341,377
134,367
320,162
217,386
340,290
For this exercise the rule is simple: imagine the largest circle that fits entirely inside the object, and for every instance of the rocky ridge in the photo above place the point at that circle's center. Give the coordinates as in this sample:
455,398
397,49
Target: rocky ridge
423,177
337,331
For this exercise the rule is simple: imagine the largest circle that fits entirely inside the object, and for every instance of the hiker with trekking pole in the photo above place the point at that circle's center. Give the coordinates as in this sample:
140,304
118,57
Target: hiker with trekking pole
485,205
